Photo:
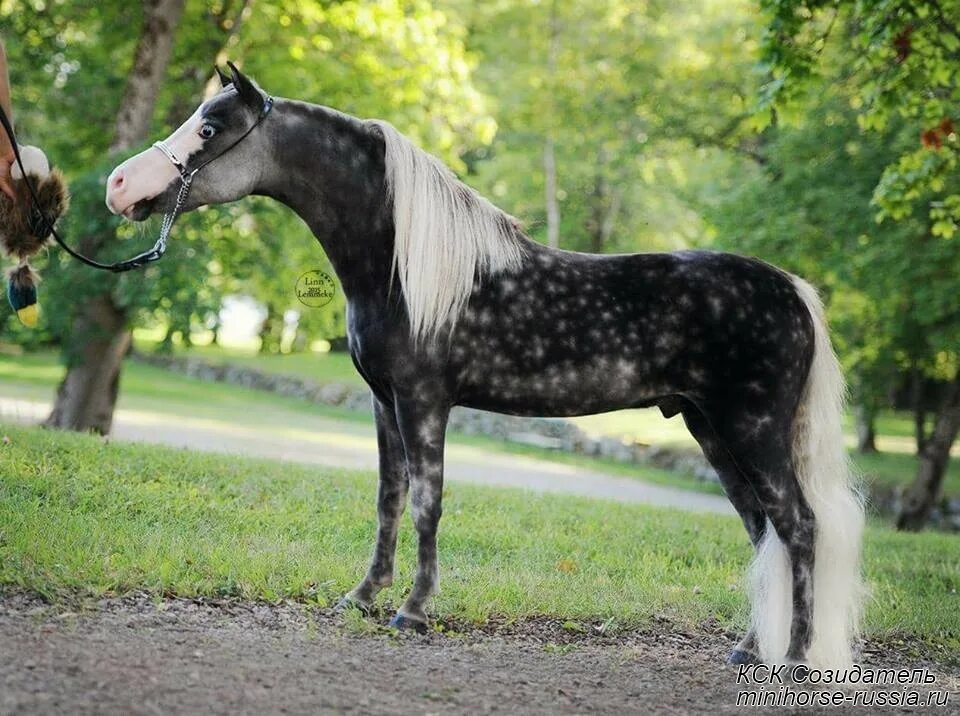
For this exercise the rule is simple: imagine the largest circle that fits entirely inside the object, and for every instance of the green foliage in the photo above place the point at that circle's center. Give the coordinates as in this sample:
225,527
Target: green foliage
891,285
879,78
903,59
403,61
68,65
622,94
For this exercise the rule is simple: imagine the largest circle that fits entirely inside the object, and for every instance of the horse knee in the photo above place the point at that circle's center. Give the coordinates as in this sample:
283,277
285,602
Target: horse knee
389,512
426,515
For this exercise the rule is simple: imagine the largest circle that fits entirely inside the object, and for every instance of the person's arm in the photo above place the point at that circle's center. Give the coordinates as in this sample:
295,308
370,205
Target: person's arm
6,147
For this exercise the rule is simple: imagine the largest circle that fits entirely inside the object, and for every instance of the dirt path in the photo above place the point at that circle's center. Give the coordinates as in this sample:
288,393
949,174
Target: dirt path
324,441
138,656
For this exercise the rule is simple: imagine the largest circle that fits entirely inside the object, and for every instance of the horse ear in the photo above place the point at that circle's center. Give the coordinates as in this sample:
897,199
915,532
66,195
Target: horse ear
245,88
225,79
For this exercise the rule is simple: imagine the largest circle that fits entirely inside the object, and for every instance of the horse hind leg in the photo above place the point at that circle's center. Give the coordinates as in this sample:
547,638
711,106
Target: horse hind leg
782,593
743,499
794,530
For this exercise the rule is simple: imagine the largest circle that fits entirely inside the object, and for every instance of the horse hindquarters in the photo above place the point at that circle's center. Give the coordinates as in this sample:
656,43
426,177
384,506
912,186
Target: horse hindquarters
783,465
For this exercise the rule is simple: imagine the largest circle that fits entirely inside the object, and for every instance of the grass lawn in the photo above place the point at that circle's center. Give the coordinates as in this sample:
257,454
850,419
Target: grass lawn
81,517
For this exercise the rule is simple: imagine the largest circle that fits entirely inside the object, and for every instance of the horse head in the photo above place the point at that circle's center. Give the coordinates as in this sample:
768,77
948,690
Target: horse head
225,136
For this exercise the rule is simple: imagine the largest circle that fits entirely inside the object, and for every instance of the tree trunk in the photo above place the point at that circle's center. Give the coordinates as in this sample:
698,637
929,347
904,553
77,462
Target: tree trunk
230,19
165,345
919,409
866,432
149,64
610,217
550,193
919,498
549,151
100,337
300,342
88,393
605,205
271,330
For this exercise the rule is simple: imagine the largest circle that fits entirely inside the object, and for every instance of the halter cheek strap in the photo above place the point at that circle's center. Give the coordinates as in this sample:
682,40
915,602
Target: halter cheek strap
186,175
186,180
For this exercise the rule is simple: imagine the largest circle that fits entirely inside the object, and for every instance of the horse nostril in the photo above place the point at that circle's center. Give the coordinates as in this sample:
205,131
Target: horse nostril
116,182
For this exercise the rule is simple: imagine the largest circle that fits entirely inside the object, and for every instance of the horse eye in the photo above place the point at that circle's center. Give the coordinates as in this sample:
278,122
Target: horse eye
207,131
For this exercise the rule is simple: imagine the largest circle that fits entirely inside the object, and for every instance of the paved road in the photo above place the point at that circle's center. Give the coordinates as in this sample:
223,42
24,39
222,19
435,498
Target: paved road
326,441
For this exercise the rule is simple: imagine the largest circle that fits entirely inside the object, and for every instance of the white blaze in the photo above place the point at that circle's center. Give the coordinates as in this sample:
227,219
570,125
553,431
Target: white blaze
147,174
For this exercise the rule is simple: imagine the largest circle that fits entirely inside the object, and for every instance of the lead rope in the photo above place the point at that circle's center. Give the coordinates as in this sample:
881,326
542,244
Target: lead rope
186,180
165,227
137,261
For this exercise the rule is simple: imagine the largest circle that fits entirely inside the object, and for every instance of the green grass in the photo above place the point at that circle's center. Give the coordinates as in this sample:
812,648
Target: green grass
81,517
646,473
143,387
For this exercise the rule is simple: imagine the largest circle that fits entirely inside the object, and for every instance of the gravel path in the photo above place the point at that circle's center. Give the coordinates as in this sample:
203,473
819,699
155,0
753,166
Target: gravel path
139,656
334,443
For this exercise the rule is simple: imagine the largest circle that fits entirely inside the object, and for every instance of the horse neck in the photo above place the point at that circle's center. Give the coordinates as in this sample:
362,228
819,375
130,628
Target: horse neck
329,168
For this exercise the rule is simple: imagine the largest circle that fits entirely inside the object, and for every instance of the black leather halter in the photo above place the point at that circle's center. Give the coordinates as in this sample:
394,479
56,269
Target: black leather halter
186,179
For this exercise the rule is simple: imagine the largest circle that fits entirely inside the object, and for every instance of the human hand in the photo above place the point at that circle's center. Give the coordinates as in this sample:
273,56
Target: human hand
6,162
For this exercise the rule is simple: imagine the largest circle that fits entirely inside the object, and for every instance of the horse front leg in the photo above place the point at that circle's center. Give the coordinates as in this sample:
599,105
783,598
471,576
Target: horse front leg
422,427
391,496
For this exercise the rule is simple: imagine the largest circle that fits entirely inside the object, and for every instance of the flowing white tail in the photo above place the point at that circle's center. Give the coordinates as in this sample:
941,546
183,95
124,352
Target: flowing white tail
830,488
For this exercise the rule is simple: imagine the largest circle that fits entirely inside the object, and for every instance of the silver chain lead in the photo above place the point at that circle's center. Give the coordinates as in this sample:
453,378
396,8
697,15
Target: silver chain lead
168,219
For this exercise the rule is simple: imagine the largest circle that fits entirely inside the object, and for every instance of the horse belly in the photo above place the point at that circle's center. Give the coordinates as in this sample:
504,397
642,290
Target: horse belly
561,390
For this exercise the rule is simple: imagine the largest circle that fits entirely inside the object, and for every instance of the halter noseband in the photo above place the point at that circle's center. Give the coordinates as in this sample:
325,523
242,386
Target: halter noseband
169,154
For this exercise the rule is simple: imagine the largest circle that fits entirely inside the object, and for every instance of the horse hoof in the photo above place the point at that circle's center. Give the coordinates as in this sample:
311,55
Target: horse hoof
402,622
740,656
348,603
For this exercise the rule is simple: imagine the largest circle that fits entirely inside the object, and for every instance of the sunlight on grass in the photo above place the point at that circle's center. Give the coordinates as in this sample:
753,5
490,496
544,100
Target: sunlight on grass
646,426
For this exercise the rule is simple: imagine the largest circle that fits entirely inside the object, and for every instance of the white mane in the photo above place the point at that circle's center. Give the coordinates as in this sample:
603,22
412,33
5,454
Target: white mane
447,235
